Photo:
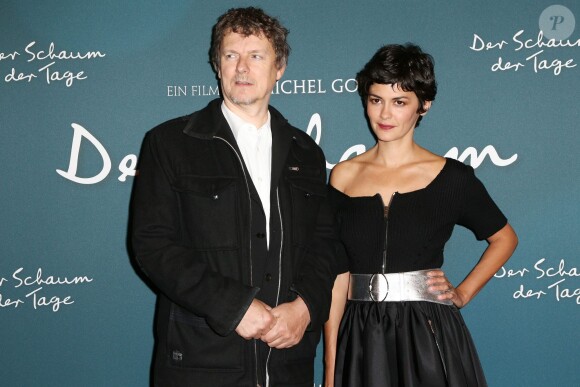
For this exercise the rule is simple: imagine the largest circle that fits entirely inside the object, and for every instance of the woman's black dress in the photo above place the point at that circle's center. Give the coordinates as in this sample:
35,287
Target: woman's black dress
409,343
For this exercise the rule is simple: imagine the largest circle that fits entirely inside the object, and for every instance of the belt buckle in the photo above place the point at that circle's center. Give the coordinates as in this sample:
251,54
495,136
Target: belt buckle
378,285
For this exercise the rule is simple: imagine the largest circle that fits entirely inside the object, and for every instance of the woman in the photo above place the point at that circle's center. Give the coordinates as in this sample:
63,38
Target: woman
396,205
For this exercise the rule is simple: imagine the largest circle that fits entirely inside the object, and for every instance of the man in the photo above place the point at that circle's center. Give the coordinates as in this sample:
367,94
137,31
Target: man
226,225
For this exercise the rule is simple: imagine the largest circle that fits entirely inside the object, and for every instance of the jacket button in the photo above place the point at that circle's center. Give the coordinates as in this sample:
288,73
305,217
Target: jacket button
307,195
260,235
268,277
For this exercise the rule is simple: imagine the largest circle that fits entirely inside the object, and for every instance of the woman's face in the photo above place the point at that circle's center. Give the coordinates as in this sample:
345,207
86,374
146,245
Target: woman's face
393,112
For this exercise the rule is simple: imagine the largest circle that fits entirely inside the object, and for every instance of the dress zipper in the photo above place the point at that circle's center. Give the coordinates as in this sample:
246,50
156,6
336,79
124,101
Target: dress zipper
386,210
438,347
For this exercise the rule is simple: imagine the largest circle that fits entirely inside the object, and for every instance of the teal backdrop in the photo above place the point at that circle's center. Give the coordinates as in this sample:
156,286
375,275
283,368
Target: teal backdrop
82,81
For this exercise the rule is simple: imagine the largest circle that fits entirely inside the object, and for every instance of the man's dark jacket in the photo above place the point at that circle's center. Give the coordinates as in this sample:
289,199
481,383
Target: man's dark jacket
194,212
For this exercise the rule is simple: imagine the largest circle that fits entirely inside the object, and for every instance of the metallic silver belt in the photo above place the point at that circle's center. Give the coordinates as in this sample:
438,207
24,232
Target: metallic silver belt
393,287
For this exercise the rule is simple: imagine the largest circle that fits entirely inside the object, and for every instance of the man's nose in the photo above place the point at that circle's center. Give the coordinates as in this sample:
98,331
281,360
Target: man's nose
242,65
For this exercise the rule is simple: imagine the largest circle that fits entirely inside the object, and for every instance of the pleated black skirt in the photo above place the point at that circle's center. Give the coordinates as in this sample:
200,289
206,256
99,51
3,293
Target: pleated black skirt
405,344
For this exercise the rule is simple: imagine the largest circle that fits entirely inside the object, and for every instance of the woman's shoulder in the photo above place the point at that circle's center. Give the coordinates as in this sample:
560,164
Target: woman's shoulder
457,167
459,175
344,172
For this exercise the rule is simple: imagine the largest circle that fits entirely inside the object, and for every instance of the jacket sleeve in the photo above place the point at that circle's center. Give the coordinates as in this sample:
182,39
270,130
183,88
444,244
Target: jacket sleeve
318,270
171,266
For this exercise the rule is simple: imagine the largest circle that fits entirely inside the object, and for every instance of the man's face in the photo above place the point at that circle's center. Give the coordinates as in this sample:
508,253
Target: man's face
247,70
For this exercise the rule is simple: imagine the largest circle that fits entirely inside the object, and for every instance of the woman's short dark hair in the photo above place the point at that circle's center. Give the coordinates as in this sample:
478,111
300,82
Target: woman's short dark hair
250,21
404,65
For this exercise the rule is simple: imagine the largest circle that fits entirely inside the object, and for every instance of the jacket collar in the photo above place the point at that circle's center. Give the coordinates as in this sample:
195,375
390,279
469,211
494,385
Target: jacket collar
210,122
282,138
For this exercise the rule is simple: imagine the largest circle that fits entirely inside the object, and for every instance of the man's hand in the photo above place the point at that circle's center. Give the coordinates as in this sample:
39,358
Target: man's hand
292,318
257,321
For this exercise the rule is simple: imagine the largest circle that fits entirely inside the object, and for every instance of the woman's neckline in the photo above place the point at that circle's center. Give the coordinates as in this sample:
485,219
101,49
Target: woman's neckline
431,183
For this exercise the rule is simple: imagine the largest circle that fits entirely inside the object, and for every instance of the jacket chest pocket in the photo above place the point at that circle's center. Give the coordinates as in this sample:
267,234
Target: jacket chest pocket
307,194
208,211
